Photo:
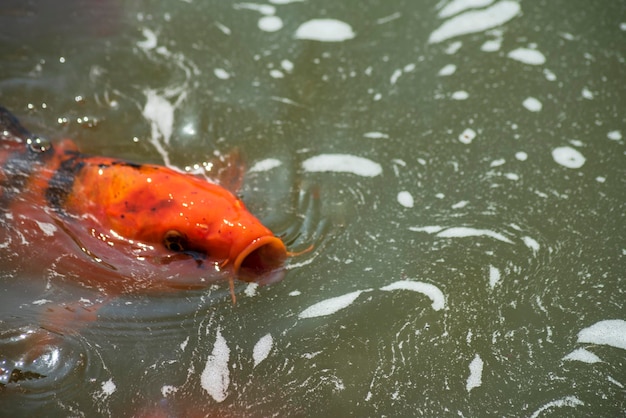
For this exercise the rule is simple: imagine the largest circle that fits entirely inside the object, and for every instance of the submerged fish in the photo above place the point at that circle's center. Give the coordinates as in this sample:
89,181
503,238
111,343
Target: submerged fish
142,204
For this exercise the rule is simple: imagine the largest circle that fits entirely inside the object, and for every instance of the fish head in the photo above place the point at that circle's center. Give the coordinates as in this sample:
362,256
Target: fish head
185,213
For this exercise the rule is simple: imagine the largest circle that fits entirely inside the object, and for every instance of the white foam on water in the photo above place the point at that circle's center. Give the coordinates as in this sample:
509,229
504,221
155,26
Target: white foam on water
394,77
587,94
527,56
270,23
521,156
453,47
581,354
494,276
47,228
389,18
265,9
221,73
531,243
431,229
375,135
405,199
41,301
475,378
160,112
215,377
325,30
433,292
287,65
251,289
568,157
342,163
476,21
332,305
614,135
608,332
167,390
615,382
492,45
460,204
571,401
457,6
550,76
108,388
265,165
447,70
467,136
460,95
464,232
532,104
277,73
262,349
150,42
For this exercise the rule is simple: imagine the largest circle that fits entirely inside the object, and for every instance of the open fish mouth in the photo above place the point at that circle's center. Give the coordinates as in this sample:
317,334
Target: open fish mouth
261,256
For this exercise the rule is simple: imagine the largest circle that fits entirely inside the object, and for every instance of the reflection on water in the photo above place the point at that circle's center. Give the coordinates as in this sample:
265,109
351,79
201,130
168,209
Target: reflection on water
457,166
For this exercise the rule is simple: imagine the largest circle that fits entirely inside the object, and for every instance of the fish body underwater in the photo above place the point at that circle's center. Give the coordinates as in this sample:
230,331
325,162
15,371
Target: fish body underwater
140,221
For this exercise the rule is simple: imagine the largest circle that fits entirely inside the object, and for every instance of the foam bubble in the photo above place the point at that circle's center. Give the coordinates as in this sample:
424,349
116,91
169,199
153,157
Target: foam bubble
463,232
476,21
587,94
265,165
467,136
330,306
457,6
614,135
448,69
270,23
405,199
494,276
491,45
47,228
262,349
342,163
583,355
568,157
475,378
325,30
532,104
460,95
221,73
527,56
608,332
521,156
215,377
433,292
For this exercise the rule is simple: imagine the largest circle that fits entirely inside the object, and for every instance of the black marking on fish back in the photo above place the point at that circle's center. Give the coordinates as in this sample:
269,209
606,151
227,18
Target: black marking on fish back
62,182
21,162
10,127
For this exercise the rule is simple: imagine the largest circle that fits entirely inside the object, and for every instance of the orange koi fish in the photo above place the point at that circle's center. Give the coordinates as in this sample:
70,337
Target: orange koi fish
139,203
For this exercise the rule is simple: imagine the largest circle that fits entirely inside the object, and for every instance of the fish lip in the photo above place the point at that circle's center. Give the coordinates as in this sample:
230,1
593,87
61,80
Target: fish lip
272,257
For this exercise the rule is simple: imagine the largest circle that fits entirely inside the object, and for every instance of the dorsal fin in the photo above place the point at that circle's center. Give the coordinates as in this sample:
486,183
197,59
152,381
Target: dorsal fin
11,129
13,133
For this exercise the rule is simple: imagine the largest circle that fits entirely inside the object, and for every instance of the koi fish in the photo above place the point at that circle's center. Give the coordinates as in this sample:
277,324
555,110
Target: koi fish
138,203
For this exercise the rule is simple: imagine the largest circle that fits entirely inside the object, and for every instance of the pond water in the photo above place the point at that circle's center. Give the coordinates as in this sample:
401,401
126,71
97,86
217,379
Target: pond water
458,166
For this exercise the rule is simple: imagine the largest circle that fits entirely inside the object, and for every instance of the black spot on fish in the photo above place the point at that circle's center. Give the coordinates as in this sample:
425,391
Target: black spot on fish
62,182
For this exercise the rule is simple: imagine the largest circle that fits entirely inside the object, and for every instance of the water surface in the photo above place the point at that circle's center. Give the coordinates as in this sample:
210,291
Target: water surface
458,165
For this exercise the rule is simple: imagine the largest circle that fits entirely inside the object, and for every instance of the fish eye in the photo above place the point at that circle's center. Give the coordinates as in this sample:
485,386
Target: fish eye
38,145
174,241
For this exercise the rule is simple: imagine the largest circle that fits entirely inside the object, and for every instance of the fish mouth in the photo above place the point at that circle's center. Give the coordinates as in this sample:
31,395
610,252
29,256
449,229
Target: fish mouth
261,256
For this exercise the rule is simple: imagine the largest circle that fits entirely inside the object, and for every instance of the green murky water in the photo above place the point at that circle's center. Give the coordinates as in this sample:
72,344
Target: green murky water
458,165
